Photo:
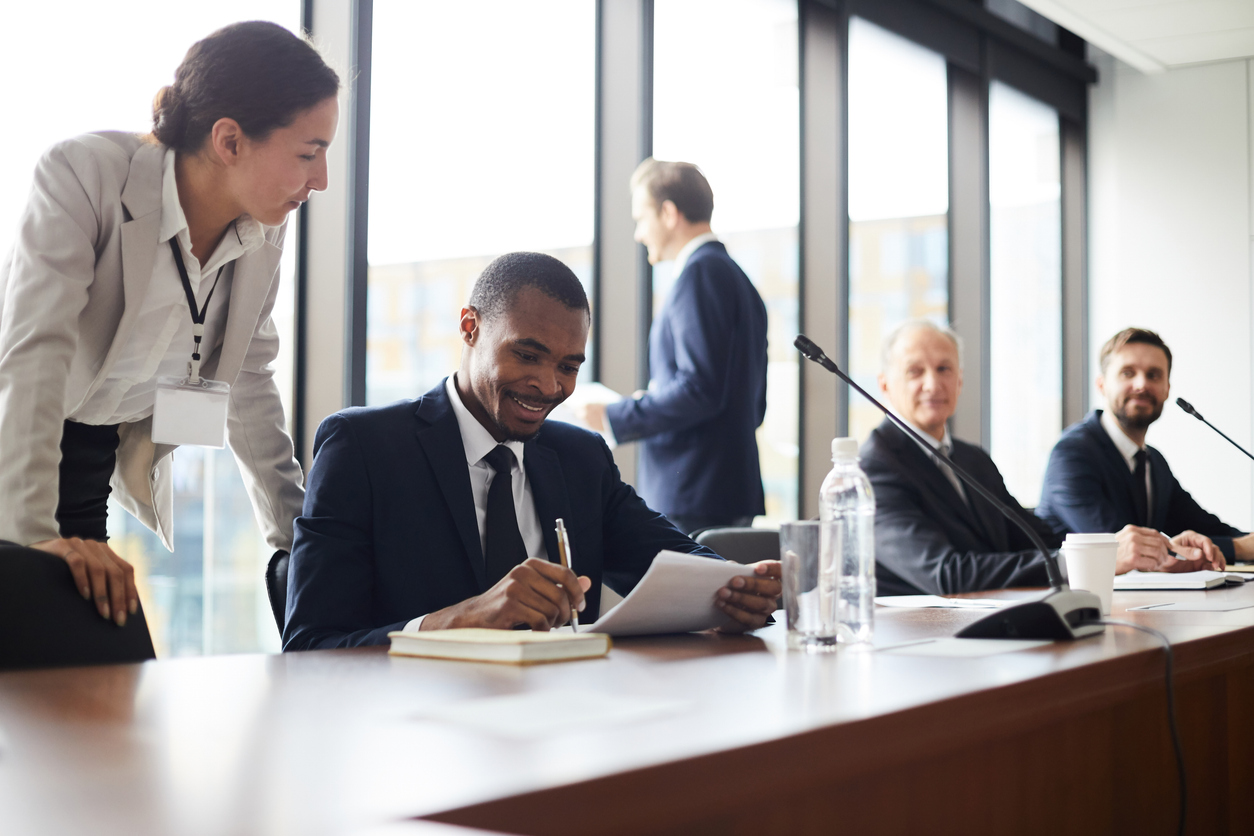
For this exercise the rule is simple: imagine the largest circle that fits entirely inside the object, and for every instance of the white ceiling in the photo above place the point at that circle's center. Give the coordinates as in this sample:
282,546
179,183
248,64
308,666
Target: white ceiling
1157,35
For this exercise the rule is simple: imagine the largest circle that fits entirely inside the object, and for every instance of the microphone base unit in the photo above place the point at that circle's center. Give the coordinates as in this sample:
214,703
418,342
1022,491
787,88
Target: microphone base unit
1057,614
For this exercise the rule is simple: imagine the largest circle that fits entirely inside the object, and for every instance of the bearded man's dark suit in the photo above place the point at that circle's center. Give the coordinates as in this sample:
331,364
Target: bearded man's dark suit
927,539
389,532
1089,489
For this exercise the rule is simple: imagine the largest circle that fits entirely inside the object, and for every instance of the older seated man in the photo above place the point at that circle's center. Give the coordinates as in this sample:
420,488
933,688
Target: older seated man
439,511
932,534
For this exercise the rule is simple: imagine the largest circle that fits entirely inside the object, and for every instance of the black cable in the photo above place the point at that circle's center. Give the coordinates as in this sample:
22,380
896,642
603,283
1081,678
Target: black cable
1171,711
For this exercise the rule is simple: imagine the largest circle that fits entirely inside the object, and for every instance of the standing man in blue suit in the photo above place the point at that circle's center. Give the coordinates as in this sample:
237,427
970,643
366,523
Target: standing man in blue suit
439,512
707,363
1102,476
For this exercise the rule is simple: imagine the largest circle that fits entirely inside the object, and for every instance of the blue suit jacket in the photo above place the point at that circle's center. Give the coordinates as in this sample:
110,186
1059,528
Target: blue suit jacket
707,362
927,540
389,531
1088,489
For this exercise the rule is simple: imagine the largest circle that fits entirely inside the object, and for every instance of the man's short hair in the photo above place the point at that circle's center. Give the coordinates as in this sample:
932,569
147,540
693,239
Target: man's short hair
681,183
895,335
501,281
1128,336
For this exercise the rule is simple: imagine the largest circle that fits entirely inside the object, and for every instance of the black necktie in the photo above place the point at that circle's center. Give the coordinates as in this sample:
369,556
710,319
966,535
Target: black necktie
505,547
1140,493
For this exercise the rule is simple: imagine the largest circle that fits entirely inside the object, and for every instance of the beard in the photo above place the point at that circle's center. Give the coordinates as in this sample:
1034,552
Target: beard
1140,421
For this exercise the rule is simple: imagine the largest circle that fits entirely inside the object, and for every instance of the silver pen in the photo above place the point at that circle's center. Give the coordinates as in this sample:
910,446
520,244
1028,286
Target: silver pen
564,554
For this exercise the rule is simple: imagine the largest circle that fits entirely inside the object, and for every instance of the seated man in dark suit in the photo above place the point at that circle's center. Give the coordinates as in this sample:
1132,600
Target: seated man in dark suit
439,512
932,534
1101,475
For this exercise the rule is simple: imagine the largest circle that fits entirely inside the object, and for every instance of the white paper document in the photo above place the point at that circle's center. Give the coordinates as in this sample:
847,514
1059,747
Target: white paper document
1202,605
676,595
926,601
584,394
1176,580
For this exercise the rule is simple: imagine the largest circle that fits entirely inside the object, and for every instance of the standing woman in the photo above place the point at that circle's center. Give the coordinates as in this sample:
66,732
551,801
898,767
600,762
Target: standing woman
143,265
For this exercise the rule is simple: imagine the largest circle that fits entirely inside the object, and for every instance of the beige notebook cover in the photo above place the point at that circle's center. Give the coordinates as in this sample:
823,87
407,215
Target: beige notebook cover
514,647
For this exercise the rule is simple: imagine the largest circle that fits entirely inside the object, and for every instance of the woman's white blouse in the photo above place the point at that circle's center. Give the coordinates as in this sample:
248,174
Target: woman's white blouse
161,343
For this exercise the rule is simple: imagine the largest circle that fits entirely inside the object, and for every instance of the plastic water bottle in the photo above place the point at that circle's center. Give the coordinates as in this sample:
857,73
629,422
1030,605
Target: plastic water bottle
846,501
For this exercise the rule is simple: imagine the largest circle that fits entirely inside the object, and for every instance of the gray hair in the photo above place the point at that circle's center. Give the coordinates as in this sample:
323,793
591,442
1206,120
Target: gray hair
894,336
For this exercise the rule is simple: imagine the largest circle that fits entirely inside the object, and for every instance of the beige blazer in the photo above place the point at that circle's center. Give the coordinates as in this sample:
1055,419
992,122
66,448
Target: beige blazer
69,294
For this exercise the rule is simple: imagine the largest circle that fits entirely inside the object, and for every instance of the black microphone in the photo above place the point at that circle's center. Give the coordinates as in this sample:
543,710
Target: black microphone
1062,613
1188,407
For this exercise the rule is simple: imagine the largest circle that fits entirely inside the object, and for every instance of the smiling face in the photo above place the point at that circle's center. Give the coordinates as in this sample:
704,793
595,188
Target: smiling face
923,379
1136,384
271,177
519,364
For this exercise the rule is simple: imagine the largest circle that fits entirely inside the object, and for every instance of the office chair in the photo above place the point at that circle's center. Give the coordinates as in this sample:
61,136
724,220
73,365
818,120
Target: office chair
742,545
276,587
45,623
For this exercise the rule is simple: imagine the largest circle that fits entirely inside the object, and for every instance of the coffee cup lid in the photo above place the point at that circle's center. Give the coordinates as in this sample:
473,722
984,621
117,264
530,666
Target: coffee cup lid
1090,539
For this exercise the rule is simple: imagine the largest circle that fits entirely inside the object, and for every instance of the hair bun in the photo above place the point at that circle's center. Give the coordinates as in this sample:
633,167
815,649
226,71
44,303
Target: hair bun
167,121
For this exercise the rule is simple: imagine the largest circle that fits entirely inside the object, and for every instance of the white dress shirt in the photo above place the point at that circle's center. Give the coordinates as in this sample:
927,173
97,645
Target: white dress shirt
478,442
1128,449
162,343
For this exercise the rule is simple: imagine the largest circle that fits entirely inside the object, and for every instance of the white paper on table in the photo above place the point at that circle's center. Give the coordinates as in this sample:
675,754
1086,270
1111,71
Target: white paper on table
1214,605
1203,579
925,601
676,595
954,647
585,393
536,716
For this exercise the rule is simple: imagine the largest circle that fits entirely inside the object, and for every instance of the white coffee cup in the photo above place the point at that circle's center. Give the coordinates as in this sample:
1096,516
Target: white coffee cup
1090,560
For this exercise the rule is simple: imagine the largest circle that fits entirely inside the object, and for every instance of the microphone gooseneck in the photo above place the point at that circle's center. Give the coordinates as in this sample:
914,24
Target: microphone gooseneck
1188,407
815,354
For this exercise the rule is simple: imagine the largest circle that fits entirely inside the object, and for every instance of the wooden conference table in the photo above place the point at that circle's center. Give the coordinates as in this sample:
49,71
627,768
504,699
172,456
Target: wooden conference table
685,734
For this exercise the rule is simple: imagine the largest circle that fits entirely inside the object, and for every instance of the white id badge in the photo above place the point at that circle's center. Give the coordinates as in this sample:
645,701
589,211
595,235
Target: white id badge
190,413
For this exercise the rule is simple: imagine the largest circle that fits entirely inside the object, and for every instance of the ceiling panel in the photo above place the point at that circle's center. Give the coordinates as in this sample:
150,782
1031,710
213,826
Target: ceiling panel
1155,35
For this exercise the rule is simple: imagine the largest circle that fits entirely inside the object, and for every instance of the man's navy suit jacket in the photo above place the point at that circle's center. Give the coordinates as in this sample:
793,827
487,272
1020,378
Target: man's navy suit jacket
707,362
389,532
927,540
1088,489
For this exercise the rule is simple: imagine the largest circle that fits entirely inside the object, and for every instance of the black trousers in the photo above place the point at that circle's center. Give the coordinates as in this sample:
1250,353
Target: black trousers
88,454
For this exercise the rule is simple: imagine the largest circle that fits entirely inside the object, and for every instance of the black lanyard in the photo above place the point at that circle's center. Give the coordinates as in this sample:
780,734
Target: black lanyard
198,316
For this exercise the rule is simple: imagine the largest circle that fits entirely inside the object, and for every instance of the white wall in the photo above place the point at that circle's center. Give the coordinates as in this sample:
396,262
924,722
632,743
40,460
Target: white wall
1170,248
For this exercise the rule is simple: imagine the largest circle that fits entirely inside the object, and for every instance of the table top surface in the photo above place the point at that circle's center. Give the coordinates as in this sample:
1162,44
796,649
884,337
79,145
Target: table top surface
340,741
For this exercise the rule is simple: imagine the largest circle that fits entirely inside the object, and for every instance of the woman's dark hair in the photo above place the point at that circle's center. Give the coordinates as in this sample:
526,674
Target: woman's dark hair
255,72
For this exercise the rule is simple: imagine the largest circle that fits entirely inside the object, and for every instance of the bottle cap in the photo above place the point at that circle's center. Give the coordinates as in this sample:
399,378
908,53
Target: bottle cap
844,449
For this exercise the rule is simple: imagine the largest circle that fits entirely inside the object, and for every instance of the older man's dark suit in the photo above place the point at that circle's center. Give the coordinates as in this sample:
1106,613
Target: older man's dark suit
389,531
927,539
1089,489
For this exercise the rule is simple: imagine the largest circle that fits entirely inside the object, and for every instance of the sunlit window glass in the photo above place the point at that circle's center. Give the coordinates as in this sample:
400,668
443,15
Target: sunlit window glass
482,137
1025,304
898,198
100,72
725,98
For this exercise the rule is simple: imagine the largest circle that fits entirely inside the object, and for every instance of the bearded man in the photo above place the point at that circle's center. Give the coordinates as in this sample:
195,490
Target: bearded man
1102,477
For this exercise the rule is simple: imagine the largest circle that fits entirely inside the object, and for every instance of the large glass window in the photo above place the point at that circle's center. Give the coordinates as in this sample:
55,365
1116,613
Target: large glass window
898,198
1025,304
482,137
725,97
99,71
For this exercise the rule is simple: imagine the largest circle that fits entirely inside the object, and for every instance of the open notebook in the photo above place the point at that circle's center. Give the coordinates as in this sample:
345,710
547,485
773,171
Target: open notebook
1179,580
